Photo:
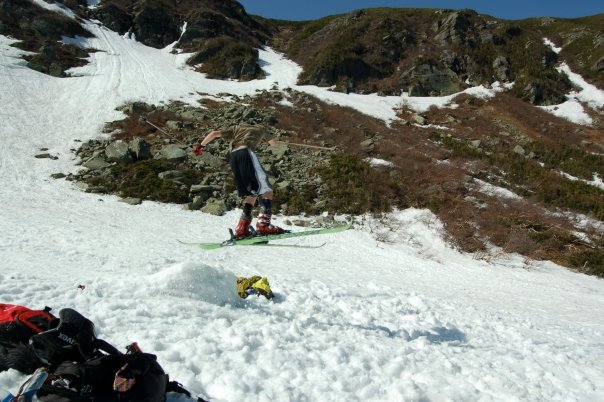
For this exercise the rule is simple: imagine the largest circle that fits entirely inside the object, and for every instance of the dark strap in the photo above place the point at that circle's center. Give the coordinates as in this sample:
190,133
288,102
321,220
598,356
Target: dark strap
106,347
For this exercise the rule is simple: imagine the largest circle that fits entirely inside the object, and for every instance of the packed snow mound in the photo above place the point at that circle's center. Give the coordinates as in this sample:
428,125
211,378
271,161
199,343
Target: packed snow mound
197,282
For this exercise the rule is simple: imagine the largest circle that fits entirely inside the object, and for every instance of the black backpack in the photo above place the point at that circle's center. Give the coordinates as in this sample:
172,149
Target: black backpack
135,377
94,380
72,339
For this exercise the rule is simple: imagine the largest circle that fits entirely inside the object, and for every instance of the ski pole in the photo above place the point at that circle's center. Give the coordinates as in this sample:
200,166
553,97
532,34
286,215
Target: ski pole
305,145
144,119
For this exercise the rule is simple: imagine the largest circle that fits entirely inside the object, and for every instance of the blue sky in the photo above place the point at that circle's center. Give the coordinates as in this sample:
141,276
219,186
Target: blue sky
295,10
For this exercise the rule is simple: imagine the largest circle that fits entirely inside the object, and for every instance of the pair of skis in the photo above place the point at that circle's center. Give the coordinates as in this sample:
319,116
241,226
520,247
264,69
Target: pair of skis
259,240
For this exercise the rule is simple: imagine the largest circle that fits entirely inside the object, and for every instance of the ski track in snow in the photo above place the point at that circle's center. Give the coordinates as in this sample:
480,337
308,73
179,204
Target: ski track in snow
409,319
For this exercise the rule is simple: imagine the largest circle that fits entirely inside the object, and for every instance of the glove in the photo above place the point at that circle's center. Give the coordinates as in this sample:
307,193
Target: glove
198,149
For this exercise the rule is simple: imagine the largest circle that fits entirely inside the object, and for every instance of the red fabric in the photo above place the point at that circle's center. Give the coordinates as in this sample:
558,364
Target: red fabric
22,315
198,149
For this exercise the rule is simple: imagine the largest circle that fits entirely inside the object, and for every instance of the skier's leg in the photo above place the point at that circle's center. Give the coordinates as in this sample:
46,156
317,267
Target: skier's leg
264,226
243,227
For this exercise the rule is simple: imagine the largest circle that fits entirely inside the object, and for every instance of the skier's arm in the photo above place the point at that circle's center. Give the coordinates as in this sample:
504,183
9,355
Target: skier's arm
210,137
198,148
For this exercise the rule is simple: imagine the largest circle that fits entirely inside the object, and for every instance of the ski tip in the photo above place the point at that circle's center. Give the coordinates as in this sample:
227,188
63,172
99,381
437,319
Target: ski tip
209,246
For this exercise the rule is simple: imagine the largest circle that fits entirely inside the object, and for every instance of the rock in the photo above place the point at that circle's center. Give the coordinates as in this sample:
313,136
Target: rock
96,162
154,27
131,200
135,107
210,160
427,80
536,94
172,152
118,151
279,151
82,186
174,125
419,119
519,150
301,223
45,156
501,67
284,185
192,114
113,17
171,175
454,28
196,204
58,175
599,66
368,145
140,149
214,207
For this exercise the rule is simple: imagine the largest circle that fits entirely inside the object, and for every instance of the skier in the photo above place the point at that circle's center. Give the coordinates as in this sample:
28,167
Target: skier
250,178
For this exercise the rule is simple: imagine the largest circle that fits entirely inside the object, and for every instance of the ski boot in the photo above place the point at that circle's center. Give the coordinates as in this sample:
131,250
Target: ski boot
244,228
264,226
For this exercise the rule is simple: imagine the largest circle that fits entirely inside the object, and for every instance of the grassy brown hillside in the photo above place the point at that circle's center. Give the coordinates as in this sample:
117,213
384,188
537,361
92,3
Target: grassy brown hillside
459,164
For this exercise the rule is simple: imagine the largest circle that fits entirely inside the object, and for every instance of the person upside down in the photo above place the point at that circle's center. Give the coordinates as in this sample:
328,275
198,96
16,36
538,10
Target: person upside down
250,178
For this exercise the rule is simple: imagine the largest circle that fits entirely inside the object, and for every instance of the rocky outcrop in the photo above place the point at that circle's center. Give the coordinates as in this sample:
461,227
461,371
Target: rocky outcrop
224,57
176,175
156,28
114,17
41,31
427,80
501,68
454,28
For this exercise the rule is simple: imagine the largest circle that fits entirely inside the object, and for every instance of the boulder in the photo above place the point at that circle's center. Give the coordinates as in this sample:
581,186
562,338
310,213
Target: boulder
140,149
368,145
113,17
215,207
196,204
427,80
419,119
279,151
118,151
96,162
172,152
210,160
174,125
154,27
131,200
174,175
454,28
501,67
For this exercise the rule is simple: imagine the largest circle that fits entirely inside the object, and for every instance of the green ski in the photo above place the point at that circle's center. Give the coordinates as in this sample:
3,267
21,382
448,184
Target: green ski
263,240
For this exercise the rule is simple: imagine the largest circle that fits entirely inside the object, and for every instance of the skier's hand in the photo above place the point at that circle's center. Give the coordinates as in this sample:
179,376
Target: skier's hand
198,149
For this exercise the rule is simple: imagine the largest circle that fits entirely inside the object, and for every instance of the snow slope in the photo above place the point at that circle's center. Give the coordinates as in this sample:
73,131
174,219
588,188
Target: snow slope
405,318
572,109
